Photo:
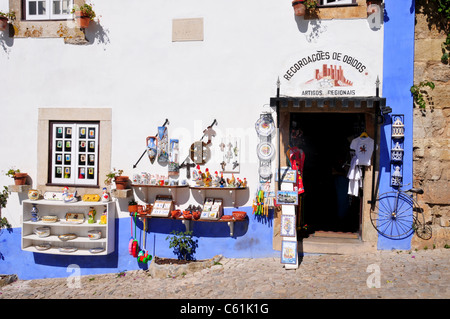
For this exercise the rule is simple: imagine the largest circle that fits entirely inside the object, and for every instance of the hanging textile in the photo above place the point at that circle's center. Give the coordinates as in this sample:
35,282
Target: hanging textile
363,147
297,160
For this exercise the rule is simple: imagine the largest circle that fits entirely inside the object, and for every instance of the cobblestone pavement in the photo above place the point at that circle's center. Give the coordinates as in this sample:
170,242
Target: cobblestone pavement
423,274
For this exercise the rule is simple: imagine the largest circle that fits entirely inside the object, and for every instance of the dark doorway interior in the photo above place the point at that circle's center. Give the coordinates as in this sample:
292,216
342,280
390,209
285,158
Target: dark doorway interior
325,139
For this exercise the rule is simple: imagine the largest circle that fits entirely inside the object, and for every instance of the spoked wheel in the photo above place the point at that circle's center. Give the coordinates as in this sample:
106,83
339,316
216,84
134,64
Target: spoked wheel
423,230
393,215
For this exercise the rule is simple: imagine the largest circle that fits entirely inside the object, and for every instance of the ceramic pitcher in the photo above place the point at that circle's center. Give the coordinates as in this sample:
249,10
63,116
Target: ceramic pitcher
33,194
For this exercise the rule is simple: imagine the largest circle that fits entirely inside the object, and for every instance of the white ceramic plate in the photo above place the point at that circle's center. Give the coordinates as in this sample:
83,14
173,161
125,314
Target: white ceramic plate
265,151
265,125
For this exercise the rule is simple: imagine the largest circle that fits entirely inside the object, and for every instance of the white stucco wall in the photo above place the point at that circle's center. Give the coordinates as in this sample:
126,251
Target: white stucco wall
133,67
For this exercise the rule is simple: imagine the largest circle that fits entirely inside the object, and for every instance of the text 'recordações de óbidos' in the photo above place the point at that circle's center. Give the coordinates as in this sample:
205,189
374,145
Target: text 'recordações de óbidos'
324,56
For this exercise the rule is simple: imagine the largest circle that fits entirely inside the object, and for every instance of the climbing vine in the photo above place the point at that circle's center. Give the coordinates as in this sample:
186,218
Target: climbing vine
418,91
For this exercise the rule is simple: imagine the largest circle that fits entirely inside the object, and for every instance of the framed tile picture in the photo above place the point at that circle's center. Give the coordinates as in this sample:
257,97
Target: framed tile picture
288,252
287,226
288,175
287,197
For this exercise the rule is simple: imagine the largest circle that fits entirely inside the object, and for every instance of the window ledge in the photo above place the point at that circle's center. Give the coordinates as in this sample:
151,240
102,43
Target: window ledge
50,29
356,10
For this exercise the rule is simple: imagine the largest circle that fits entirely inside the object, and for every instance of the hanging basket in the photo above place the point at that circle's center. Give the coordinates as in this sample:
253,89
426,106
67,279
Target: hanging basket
299,7
82,20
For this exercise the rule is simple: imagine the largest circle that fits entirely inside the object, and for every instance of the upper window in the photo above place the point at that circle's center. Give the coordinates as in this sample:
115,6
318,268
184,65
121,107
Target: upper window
48,9
335,2
74,153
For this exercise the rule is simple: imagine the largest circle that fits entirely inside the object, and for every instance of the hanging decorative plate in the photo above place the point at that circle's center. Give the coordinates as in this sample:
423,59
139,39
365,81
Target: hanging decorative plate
265,171
265,125
265,151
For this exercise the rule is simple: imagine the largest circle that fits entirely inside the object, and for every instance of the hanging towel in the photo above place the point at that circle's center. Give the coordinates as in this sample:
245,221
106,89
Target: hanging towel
355,177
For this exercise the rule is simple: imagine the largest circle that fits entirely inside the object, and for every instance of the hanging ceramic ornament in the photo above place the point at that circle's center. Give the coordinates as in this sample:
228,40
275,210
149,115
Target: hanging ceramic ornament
152,150
174,166
265,126
265,151
162,145
200,152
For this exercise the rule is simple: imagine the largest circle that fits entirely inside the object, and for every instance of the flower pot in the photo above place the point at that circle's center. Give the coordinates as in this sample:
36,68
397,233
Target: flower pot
196,215
121,182
299,7
3,23
81,20
132,208
20,178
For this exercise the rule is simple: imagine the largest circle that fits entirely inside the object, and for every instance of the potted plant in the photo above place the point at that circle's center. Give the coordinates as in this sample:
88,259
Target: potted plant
84,14
116,175
183,245
3,200
5,18
19,178
132,206
299,7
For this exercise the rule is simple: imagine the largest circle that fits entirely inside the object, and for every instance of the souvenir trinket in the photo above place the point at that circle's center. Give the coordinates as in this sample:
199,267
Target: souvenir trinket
68,249
91,215
96,250
34,213
103,218
105,195
73,218
66,237
91,198
162,145
94,234
44,246
49,219
174,166
69,197
33,194
42,231
152,150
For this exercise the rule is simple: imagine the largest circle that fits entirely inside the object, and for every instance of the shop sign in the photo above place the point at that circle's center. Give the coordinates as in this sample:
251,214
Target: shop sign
327,74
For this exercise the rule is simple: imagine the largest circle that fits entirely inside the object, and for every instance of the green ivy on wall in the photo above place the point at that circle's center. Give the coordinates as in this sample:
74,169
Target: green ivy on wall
418,91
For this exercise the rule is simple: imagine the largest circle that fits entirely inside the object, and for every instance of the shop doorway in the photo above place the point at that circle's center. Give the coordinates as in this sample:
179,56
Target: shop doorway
325,140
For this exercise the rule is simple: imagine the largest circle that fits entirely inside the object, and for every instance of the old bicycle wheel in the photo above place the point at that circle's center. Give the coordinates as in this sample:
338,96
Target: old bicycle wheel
393,215
423,230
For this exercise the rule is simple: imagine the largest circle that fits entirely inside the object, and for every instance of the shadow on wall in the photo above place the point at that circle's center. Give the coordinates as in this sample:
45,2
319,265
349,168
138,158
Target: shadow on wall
7,39
97,34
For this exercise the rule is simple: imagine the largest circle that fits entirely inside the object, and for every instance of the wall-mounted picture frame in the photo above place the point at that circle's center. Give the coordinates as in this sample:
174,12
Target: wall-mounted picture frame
288,175
287,197
287,226
288,252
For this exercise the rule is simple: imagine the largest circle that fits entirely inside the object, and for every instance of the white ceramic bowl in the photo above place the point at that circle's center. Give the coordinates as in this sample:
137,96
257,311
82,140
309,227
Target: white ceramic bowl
49,219
94,234
43,231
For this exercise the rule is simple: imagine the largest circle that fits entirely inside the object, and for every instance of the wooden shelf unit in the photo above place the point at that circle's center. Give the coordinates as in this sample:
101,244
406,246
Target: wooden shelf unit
59,208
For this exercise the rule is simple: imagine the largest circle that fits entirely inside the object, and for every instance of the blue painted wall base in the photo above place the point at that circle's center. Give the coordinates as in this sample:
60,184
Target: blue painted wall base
398,77
252,239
